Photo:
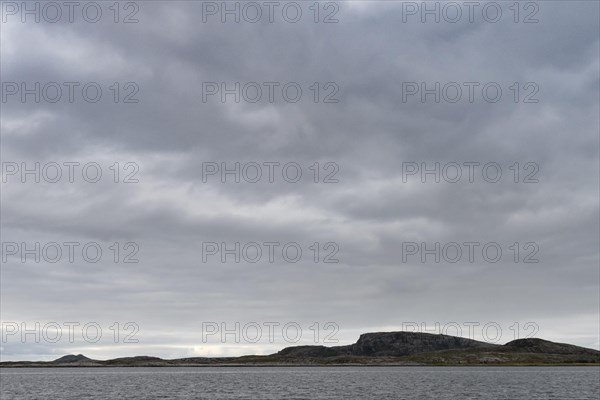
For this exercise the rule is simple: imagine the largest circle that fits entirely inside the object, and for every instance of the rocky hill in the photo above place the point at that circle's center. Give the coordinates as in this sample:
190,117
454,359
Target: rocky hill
383,348
69,359
545,347
388,344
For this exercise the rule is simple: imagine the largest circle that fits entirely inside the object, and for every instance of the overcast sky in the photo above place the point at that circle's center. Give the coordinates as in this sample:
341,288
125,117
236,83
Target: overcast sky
363,212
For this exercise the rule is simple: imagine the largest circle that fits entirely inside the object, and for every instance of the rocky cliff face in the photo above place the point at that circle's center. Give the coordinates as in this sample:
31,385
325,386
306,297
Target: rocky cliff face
389,344
398,344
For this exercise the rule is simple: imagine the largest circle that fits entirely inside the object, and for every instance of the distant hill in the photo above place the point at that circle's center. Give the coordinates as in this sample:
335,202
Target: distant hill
79,358
388,344
382,348
542,346
428,349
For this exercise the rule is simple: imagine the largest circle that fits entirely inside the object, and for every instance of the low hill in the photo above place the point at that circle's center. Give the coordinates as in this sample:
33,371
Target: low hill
381,348
542,346
79,358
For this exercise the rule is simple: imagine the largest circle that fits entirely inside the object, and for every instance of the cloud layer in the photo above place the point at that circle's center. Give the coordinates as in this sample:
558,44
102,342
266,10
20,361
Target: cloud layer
369,62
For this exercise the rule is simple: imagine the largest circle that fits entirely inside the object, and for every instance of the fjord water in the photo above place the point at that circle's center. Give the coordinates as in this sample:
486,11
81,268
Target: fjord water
530,383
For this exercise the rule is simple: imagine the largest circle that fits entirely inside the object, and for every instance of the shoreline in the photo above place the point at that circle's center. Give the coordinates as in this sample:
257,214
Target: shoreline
289,365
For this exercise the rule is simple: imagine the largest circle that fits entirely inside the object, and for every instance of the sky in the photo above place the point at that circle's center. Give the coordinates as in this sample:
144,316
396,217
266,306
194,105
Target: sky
188,178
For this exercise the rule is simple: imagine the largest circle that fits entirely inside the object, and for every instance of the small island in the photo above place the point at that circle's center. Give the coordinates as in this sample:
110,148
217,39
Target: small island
371,349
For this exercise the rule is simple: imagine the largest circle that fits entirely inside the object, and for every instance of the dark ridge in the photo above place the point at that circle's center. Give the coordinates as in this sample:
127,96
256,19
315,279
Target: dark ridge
135,359
534,345
389,344
308,351
407,343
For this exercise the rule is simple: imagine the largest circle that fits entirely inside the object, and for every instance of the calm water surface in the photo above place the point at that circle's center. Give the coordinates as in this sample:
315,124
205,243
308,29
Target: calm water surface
302,383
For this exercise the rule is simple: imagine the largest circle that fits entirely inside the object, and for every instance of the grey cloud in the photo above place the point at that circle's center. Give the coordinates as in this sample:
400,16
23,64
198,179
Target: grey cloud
369,133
